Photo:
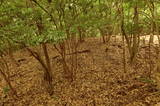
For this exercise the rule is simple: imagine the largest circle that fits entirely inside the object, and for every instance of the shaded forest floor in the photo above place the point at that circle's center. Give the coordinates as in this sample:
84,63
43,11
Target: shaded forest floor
100,79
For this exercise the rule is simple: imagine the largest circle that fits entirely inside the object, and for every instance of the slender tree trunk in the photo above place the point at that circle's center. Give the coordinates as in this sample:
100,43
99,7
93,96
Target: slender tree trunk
136,38
48,73
124,55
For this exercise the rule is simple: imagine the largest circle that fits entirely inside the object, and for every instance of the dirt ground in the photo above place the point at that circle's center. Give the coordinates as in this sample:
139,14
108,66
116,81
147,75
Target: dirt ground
99,81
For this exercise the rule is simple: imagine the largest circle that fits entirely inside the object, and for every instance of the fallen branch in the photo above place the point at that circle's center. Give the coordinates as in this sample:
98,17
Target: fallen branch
79,52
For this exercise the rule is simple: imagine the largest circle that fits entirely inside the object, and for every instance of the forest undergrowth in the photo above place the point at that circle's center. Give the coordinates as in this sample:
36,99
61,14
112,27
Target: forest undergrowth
99,80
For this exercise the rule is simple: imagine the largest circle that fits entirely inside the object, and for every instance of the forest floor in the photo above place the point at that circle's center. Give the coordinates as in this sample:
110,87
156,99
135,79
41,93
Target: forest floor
99,80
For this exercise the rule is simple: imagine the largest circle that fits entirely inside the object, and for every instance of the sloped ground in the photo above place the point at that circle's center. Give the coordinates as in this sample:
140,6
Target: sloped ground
100,79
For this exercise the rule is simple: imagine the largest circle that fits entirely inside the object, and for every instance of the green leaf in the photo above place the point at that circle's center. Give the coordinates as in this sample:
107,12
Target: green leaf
6,89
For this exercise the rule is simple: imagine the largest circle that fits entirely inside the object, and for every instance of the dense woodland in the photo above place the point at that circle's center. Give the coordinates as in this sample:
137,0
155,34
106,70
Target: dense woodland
79,53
